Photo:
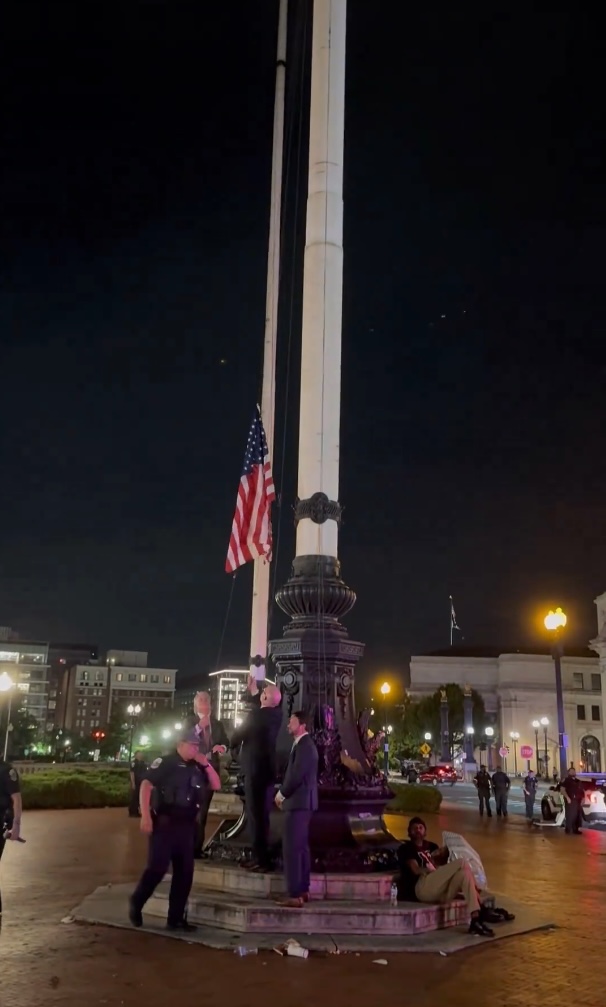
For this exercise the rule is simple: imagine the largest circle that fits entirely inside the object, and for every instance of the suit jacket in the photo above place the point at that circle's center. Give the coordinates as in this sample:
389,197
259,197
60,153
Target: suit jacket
218,736
300,786
258,736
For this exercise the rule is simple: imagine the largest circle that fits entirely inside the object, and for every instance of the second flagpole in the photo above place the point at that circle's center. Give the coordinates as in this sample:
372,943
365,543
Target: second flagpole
262,570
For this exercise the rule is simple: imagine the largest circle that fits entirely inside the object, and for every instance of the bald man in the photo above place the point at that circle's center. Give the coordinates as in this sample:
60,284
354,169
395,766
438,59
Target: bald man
258,737
213,743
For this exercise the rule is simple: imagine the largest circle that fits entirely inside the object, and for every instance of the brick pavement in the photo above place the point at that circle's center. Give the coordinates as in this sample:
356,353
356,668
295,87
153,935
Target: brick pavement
69,853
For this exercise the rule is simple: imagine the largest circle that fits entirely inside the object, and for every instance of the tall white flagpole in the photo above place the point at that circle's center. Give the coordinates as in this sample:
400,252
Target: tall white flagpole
262,569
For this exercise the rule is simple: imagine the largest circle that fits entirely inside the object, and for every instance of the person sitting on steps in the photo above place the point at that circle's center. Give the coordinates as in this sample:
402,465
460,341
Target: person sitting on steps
426,876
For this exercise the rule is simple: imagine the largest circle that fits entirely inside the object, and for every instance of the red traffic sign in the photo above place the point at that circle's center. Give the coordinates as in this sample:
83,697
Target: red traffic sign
527,751
504,751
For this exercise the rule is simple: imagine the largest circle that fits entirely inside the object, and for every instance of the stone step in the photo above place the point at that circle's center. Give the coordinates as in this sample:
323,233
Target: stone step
226,878
254,915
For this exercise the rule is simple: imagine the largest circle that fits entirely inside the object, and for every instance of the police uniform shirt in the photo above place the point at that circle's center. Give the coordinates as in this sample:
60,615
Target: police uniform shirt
9,785
179,786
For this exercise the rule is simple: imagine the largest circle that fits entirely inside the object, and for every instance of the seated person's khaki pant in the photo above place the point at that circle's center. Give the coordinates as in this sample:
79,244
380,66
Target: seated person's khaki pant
445,883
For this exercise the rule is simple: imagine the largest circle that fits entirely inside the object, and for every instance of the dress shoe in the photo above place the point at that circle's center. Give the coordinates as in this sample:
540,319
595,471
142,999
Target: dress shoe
182,925
134,914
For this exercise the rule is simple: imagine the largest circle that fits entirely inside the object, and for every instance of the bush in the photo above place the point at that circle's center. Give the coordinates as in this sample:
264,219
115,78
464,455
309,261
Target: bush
75,790
412,798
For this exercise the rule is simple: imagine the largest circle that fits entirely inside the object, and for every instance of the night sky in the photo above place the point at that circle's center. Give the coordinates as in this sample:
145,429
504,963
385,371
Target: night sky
135,170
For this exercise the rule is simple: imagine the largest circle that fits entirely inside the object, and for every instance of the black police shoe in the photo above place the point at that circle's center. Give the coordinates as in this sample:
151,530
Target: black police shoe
134,914
479,929
183,925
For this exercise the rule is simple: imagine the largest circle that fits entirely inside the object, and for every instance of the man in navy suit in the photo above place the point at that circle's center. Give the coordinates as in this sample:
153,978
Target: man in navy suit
298,799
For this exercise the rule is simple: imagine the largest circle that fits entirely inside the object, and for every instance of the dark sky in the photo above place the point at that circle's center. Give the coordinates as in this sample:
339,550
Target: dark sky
136,143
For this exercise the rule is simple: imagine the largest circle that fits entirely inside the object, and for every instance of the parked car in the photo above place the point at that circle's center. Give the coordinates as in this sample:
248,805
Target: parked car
594,804
438,775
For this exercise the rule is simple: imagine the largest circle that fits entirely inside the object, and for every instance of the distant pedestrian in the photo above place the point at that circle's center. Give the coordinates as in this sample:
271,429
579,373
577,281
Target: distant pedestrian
483,785
530,793
500,785
138,769
574,793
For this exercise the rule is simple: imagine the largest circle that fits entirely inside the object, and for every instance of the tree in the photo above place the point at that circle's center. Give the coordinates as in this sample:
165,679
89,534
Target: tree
427,713
117,733
23,734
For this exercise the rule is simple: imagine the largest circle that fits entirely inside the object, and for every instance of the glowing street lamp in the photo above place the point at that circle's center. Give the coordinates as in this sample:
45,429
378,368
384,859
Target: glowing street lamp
166,733
385,690
133,712
545,725
489,733
178,727
555,623
144,739
515,737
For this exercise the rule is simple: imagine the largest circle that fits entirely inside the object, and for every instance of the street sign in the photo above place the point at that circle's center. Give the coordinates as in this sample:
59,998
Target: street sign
504,751
425,750
527,751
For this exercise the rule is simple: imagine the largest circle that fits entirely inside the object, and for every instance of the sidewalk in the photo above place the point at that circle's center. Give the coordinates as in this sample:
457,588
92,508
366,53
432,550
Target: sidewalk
68,854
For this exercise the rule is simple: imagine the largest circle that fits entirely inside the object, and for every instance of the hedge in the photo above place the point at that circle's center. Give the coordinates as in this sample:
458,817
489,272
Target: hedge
75,790
102,788
411,798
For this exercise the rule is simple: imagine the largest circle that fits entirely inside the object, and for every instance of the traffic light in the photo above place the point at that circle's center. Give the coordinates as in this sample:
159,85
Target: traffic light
98,735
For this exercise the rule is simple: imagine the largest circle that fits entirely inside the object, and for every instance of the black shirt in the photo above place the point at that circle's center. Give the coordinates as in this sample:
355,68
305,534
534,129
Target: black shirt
138,769
9,785
574,788
258,736
178,786
407,880
500,780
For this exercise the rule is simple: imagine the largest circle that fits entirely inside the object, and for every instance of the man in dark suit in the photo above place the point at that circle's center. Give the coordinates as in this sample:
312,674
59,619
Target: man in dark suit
258,737
298,799
213,743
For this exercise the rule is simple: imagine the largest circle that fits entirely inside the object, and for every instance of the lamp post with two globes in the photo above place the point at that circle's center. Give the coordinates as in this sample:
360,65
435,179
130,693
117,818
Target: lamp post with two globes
133,712
555,623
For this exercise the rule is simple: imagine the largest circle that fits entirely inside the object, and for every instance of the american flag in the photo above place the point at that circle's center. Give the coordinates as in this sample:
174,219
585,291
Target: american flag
251,528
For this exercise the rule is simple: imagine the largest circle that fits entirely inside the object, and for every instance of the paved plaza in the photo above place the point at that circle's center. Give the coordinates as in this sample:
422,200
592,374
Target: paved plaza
70,853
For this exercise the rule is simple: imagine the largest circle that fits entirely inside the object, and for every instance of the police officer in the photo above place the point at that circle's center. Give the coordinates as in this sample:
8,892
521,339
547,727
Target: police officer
170,796
500,785
10,807
574,794
138,769
530,792
483,786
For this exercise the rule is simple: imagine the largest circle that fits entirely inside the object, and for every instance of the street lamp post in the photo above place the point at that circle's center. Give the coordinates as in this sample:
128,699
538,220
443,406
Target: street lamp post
515,737
133,712
545,725
489,732
6,685
428,743
385,690
469,745
555,623
536,726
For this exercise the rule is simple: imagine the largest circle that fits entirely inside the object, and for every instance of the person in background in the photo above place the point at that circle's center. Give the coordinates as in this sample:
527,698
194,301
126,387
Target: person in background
574,793
483,785
425,876
298,799
138,769
10,808
170,798
530,792
500,785
213,743
258,736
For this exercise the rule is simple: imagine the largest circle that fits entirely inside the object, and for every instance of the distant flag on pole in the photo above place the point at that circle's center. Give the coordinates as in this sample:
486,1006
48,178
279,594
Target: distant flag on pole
250,537
453,621
453,618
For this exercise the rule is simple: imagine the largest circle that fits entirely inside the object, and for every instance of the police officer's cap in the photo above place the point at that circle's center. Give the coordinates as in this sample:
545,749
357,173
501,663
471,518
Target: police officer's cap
190,736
